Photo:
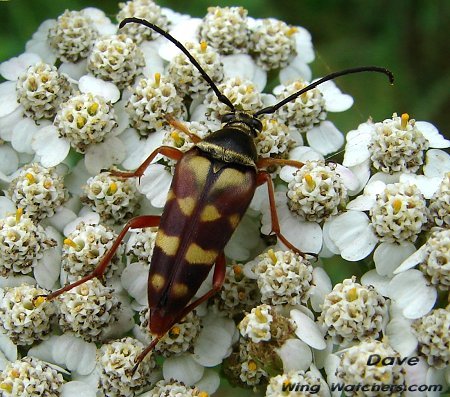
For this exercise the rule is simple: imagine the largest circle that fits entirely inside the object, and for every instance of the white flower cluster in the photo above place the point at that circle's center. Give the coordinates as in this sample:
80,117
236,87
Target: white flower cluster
88,102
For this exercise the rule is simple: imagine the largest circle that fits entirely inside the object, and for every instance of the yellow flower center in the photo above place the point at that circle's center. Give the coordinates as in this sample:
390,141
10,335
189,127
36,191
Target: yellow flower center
352,294
157,79
405,119
203,46
30,177
397,205
272,256
19,214
112,188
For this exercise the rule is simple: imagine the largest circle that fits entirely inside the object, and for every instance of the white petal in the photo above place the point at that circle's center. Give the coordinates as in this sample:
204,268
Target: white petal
76,389
437,163
104,155
9,122
134,280
123,324
184,31
138,149
330,245
431,133
332,363
105,89
23,133
296,70
48,268
320,288
182,368
14,67
49,146
87,216
304,45
209,382
357,147
306,236
9,160
153,62
350,180
427,186
307,330
388,256
325,138
417,257
15,281
155,184
437,377
61,218
8,98
295,354
8,348
411,292
73,353
7,207
380,283
211,346
401,337
368,199
74,70
416,375
243,66
353,236
335,100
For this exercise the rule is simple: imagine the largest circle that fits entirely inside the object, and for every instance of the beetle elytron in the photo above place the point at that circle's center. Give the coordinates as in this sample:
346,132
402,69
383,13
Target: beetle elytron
212,187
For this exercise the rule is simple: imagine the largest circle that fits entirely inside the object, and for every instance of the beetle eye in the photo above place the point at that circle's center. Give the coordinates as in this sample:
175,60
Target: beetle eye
257,125
226,118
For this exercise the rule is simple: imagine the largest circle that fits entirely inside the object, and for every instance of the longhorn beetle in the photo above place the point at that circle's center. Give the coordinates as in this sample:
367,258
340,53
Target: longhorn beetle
212,187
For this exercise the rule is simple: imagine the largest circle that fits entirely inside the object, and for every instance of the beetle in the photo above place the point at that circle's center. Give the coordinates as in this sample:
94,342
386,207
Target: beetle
212,187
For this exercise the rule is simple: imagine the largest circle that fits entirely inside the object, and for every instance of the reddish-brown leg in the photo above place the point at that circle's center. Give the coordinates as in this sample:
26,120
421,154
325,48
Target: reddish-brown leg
218,279
264,177
182,127
136,223
267,162
167,151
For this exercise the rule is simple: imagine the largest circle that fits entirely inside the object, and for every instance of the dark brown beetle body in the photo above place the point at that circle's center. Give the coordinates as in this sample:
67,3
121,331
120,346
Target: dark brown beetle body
210,192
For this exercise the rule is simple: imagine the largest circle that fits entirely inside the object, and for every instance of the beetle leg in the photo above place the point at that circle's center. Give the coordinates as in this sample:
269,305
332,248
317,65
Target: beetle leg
167,151
182,127
267,162
218,279
264,177
136,223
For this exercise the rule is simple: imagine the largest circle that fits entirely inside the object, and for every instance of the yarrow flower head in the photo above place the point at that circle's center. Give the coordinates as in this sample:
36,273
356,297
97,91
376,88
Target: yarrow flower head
88,310
353,367
317,192
397,145
275,139
225,29
38,190
150,101
41,89
440,203
288,384
174,389
353,312
242,93
72,36
116,361
186,78
85,119
25,316
306,111
84,248
399,214
113,199
22,243
30,377
283,278
434,339
272,43
116,58
143,9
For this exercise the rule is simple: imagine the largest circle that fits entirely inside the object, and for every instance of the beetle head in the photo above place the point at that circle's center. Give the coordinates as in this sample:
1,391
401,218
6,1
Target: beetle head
238,117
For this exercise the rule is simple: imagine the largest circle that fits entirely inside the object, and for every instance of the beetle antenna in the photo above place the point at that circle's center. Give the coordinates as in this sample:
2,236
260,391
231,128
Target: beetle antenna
168,36
144,353
331,76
